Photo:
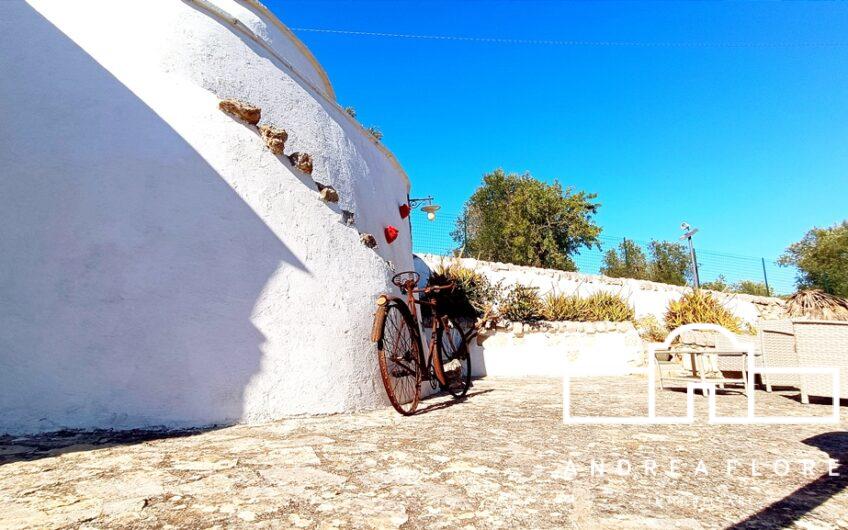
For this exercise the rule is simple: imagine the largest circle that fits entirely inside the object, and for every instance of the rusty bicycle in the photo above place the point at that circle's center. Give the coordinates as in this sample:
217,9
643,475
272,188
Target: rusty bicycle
403,365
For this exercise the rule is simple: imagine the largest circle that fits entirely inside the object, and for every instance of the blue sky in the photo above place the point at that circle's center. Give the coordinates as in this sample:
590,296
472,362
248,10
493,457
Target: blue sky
749,143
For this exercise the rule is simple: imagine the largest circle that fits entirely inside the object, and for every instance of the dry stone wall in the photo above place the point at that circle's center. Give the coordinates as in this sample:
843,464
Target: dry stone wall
647,298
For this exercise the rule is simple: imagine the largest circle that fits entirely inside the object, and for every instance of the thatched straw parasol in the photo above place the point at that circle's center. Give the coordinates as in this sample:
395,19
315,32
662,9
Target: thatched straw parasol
817,305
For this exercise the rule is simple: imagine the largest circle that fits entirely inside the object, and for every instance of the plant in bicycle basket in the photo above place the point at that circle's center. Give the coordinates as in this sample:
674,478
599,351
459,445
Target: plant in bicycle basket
474,297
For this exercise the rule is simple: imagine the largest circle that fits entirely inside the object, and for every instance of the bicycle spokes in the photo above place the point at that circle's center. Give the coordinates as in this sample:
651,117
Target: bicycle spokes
455,358
399,359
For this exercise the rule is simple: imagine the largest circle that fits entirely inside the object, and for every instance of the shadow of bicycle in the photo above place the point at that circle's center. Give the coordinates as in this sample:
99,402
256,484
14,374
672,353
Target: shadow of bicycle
450,402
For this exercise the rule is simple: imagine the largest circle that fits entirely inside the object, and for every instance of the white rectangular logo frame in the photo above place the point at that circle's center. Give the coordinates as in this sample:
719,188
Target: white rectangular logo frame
710,388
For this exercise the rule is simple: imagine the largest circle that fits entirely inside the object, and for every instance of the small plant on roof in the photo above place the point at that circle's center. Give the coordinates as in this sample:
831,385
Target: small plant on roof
375,132
350,111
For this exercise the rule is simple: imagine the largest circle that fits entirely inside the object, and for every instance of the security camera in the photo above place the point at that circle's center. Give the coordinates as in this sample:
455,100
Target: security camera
685,226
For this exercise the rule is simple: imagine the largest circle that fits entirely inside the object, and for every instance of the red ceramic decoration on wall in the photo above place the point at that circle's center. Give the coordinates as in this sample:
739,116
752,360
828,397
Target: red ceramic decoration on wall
404,211
391,233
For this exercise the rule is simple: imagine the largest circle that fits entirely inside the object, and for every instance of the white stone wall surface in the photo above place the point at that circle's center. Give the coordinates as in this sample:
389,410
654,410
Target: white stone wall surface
159,265
551,349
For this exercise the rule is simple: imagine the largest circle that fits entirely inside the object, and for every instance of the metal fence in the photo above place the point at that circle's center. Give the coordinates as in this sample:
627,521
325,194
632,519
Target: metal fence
434,237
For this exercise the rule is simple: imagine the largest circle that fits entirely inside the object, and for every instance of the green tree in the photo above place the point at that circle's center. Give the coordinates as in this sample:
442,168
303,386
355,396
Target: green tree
628,261
822,259
719,284
517,219
669,263
750,287
742,287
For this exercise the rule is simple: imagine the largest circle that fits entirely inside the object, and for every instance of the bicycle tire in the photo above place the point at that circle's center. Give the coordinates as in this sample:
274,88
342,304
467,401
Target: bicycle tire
452,349
399,354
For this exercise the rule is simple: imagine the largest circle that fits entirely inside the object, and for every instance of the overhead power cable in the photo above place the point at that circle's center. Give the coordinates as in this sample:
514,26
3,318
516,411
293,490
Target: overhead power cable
587,43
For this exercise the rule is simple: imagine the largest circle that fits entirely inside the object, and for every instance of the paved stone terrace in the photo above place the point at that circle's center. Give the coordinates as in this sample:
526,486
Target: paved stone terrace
500,459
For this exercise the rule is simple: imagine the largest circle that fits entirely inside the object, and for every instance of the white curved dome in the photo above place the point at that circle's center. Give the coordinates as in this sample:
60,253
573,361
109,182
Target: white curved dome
160,266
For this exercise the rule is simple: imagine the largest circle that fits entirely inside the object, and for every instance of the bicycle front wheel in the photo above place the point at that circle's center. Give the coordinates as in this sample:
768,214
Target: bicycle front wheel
455,358
399,356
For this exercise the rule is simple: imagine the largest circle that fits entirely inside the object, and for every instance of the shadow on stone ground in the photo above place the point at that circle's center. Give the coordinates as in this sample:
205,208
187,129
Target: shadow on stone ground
501,458
441,401
788,510
52,444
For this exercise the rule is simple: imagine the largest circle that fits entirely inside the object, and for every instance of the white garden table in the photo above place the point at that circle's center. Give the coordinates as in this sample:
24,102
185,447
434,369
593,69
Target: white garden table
704,367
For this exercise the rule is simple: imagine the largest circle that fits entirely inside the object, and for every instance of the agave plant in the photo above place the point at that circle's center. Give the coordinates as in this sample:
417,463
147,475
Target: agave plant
564,307
700,306
522,304
601,306
608,306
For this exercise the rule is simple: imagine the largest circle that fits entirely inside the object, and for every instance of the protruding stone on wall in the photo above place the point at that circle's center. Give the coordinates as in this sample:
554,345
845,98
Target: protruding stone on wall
241,110
348,217
302,161
368,240
275,139
328,194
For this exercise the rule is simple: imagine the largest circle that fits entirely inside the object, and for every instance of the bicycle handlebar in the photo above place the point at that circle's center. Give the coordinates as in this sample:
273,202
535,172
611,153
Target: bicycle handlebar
435,288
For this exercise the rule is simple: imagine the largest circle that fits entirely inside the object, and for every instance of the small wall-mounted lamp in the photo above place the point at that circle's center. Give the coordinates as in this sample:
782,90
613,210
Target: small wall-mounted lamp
429,208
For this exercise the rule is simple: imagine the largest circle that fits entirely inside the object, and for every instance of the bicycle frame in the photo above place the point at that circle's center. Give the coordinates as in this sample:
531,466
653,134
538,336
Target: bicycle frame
432,363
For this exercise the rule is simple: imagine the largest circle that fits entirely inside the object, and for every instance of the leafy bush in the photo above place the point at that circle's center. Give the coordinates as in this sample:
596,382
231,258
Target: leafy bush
719,284
820,258
700,306
628,261
669,263
350,111
600,306
474,297
522,304
751,287
650,329
742,287
518,219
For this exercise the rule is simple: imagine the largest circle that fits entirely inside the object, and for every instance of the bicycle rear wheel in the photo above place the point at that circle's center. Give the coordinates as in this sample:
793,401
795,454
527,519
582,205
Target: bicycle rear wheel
455,358
399,354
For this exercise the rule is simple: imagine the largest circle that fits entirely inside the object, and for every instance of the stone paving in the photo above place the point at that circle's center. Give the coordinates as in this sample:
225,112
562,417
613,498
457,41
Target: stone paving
502,458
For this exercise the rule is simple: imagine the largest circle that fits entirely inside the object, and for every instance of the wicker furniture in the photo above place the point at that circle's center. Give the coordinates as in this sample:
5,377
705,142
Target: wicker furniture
712,350
777,343
704,367
737,363
822,343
